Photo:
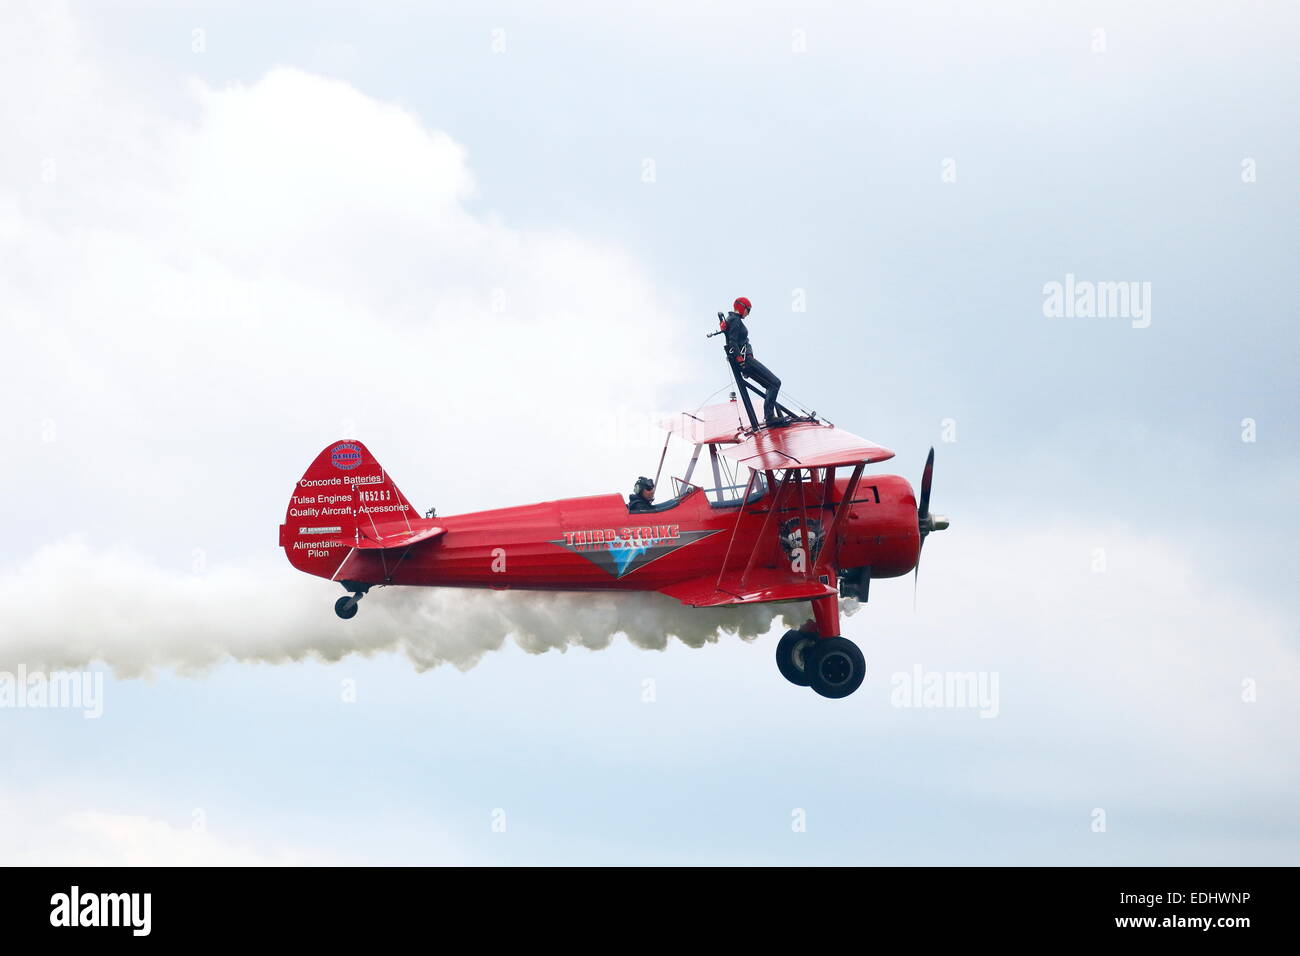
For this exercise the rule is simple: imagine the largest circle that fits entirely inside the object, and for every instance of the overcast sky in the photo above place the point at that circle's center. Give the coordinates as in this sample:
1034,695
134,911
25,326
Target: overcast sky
489,244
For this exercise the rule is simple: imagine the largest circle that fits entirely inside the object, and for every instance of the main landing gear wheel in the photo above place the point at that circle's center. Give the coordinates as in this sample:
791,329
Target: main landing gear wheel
835,667
792,655
346,606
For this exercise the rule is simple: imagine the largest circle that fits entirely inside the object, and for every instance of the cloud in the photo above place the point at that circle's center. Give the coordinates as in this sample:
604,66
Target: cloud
202,302
303,262
46,831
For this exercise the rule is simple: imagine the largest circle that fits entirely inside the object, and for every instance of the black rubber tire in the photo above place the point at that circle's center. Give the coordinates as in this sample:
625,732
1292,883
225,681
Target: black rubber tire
791,656
346,607
835,667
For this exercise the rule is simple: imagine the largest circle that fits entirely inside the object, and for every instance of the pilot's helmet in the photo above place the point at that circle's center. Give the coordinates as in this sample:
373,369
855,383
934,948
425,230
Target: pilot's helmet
642,484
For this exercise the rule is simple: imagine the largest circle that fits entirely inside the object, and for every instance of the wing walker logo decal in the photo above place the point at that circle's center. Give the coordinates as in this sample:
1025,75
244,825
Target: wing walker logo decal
345,456
620,551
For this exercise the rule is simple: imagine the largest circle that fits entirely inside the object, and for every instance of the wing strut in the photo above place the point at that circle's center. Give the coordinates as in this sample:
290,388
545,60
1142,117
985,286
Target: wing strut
828,488
762,532
662,455
740,513
803,529
832,533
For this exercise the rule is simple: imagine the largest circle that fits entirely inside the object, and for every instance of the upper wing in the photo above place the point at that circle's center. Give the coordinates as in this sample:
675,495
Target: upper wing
805,445
713,423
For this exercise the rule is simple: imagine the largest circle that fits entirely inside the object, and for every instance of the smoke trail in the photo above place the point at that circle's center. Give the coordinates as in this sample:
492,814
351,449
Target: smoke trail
69,606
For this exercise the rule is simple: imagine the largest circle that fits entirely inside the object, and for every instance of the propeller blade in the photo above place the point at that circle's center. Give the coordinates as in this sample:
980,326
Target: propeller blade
923,520
927,476
916,575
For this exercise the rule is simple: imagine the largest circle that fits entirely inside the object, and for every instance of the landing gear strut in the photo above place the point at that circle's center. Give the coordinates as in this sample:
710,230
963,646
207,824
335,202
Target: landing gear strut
831,666
346,606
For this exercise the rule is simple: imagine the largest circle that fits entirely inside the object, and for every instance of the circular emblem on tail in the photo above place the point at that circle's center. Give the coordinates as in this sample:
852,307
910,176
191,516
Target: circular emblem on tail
345,455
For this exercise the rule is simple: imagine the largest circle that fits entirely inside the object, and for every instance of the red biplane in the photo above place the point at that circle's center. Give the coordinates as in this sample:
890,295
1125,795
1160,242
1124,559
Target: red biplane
806,525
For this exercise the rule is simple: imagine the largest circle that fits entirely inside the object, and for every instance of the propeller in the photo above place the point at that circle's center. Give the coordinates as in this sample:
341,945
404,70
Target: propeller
925,521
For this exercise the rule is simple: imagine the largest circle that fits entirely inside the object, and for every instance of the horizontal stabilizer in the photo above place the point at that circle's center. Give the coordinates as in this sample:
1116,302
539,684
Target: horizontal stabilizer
377,558
399,539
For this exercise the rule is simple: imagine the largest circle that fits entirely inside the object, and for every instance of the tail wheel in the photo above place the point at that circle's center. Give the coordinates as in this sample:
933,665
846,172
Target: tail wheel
346,606
835,667
792,656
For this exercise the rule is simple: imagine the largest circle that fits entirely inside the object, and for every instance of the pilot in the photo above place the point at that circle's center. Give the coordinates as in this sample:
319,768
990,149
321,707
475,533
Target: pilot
642,496
740,352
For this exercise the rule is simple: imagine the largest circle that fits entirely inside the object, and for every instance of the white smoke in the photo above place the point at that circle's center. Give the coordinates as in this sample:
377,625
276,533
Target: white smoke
71,606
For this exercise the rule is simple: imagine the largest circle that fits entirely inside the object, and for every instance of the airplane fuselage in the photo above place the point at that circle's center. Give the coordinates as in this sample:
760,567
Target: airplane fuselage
593,543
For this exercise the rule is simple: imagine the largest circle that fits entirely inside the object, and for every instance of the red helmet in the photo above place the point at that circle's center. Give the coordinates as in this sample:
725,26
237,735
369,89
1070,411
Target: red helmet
742,306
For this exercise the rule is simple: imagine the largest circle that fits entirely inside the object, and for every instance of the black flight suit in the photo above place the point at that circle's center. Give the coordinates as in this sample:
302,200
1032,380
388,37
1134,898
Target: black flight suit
739,351
637,503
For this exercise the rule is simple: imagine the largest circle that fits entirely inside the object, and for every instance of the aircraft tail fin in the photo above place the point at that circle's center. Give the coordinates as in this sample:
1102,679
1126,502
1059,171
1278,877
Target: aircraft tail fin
344,500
